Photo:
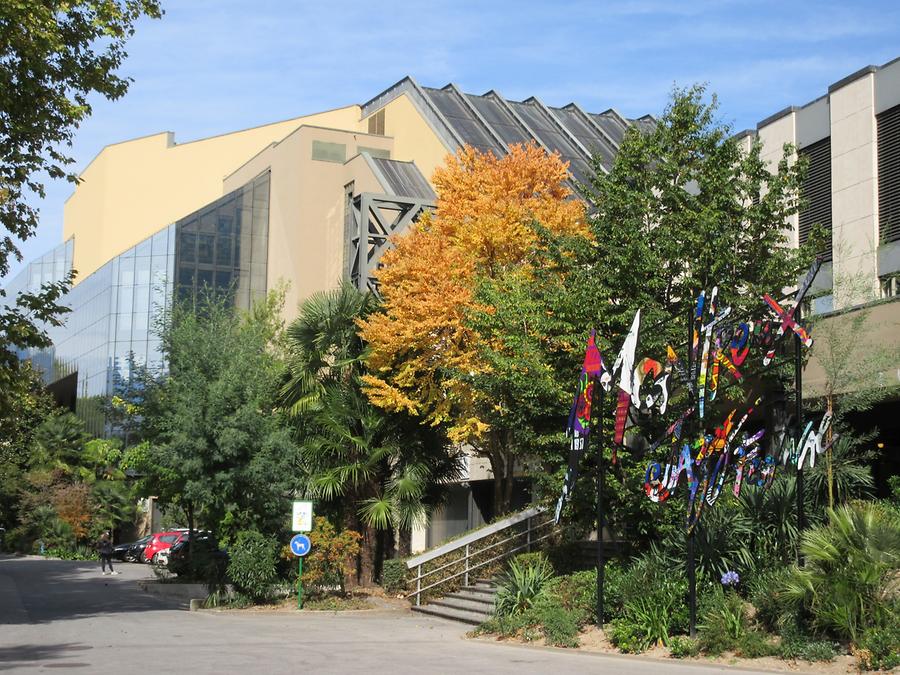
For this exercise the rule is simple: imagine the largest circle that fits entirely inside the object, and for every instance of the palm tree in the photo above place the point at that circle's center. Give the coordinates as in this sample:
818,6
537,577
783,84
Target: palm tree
385,470
850,564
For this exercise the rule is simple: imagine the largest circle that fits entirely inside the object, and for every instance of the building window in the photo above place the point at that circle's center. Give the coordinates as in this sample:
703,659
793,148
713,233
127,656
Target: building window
376,123
890,286
329,152
816,191
889,174
375,152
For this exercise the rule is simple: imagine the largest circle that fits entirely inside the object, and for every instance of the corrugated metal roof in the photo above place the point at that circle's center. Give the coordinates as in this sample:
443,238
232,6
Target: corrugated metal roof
592,139
467,125
404,179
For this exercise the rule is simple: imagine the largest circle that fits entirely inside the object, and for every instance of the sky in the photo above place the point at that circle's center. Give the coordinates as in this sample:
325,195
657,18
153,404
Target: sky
214,66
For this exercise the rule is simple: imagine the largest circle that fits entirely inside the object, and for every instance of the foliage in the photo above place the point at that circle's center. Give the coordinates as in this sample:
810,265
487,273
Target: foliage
723,623
681,647
845,583
879,647
653,605
76,553
576,593
57,57
773,611
522,585
332,603
216,445
560,626
557,625
393,576
252,565
428,355
795,645
332,555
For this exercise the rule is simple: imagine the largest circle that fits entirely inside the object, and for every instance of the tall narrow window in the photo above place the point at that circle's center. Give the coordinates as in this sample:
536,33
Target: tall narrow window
889,175
376,123
816,191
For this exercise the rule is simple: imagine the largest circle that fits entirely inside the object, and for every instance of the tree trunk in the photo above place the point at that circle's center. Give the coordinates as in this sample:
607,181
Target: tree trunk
367,552
404,543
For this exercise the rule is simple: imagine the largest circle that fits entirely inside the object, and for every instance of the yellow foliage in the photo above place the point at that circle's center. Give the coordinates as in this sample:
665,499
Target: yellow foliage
421,348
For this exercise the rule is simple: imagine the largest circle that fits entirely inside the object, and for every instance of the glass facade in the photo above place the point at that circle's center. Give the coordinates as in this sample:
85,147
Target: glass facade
116,310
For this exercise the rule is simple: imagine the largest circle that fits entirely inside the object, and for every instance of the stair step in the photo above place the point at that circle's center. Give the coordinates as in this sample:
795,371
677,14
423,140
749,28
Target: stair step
464,604
465,616
481,590
486,582
481,598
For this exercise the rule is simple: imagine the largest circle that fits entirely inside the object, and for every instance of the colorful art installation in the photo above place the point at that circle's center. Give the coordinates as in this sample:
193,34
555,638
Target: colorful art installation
593,370
704,460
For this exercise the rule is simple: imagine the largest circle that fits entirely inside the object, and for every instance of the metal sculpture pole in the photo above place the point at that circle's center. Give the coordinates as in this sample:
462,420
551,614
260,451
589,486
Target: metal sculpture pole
688,436
601,463
798,402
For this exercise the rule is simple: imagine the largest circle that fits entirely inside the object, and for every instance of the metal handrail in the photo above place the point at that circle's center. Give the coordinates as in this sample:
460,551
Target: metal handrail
466,542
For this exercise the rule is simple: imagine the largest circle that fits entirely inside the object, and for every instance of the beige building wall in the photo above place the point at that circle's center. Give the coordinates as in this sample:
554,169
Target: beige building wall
307,207
133,189
414,139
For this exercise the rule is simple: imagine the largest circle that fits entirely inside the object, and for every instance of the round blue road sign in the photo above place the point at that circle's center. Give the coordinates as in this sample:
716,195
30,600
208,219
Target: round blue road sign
300,545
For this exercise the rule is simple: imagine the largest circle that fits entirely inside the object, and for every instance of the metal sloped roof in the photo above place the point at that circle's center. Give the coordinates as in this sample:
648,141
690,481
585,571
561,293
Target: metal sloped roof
403,179
490,122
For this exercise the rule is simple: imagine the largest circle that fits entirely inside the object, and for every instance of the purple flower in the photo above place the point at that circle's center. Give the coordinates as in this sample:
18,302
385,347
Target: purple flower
730,579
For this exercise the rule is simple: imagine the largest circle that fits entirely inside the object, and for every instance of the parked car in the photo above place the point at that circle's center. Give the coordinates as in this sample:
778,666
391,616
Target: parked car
132,551
160,542
206,551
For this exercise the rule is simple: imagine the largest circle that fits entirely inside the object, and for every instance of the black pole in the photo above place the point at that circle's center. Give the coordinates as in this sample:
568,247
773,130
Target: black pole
688,435
601,561
798,402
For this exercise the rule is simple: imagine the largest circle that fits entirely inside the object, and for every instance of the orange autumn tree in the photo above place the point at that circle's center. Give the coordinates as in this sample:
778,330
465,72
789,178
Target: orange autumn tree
423,353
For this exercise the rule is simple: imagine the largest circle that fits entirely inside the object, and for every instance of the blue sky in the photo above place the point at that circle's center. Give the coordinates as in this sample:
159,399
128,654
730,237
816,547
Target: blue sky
212,66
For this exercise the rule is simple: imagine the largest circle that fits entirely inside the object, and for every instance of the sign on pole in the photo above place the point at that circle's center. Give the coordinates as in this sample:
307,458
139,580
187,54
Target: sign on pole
300,545
302,517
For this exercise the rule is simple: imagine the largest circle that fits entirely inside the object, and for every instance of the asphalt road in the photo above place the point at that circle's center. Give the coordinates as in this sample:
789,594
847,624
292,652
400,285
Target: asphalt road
66,615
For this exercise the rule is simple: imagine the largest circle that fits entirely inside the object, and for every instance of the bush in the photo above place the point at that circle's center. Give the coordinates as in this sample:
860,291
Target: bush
252,565
723,623
653,605
393,576
849,565
682,646
879,648
575,593
773,611
795,645
560,626
332,557
754,644
522,584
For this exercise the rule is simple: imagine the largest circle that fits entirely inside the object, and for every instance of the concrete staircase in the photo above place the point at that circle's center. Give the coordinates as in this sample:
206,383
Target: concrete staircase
470,604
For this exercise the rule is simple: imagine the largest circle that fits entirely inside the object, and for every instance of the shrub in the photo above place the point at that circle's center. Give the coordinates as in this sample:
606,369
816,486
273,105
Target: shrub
653,605
332,556
879,648
754,644
682,646
849,562
576,593
795,645
522,584
252,565
723,623
393,576
560,626
773,611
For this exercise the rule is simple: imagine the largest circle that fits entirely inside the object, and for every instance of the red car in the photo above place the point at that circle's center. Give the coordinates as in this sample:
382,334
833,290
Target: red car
160,542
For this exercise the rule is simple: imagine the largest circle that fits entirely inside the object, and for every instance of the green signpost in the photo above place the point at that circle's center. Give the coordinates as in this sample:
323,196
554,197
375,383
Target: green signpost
301,521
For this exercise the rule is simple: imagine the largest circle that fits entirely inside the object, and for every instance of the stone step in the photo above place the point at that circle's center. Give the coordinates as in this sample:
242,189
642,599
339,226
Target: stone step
489,583
465,604
464,616
482,598
480,590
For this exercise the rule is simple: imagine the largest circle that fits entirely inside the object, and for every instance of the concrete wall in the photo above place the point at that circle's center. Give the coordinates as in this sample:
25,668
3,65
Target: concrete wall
132,189
306,208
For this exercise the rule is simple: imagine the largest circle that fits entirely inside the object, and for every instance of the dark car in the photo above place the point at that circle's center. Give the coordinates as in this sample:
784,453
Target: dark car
132,551
206,554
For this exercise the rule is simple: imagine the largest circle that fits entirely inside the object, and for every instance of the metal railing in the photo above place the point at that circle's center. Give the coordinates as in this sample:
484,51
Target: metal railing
537,527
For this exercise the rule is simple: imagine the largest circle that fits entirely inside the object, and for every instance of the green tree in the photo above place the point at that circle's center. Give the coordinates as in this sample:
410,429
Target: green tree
56,55
384,469
216,445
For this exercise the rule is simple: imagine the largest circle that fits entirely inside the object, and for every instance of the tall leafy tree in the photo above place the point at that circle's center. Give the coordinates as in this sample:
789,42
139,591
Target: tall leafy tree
56,55
426,357
384,471
217,447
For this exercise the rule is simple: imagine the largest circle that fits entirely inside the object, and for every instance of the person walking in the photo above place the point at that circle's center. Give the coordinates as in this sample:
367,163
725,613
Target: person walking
105,547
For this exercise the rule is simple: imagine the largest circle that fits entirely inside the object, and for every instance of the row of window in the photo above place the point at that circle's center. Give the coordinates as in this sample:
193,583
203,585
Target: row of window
324,151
